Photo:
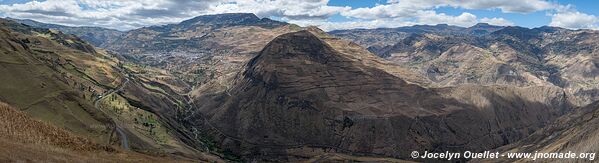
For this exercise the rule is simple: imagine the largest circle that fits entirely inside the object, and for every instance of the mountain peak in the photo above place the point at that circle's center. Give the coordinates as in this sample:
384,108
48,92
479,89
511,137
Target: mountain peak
519,32
483,29
222,19
483,25
226,16
298,44
231,19
549,29
289,53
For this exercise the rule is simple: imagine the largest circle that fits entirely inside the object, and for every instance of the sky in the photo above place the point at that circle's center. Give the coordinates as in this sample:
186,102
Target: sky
326,14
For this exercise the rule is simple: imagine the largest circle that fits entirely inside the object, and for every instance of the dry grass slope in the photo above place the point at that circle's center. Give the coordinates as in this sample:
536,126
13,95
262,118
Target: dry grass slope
15,125
23,139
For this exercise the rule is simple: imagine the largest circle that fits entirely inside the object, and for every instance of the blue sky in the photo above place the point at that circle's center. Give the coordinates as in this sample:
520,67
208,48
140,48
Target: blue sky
327,14
530,20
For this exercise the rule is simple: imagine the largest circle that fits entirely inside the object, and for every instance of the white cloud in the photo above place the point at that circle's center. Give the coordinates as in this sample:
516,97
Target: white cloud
106,13
431,17
508,6
131,14
424,17
407,8
423,11
428,17
307,9
365,24
497,21
567,17
137,13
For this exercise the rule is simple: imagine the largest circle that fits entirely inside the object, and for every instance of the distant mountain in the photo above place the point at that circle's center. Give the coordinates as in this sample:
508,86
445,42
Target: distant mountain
97,36
194,36
378,38
227,20
63,39
483,29
493,55
441,29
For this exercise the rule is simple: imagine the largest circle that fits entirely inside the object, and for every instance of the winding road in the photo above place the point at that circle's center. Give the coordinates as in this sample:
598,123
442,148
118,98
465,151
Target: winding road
118,128
123,137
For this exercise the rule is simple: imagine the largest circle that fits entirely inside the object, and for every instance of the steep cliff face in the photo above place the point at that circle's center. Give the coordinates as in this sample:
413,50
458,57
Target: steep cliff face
299,92
576,132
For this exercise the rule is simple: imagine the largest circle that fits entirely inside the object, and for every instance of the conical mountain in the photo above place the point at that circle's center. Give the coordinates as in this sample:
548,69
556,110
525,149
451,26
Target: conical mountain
299,93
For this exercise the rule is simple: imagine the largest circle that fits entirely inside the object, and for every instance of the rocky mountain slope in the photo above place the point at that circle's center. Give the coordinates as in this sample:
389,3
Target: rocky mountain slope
300,93
545,56
575,132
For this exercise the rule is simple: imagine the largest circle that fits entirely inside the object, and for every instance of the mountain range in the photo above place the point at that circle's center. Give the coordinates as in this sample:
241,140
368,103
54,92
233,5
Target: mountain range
96,36
547,56
236,87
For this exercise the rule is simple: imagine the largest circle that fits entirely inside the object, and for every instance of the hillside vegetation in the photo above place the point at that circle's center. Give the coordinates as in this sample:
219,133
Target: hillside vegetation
23,139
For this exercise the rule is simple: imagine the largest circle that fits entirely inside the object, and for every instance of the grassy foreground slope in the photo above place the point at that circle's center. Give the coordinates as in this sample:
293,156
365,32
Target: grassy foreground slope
23,139
47,76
